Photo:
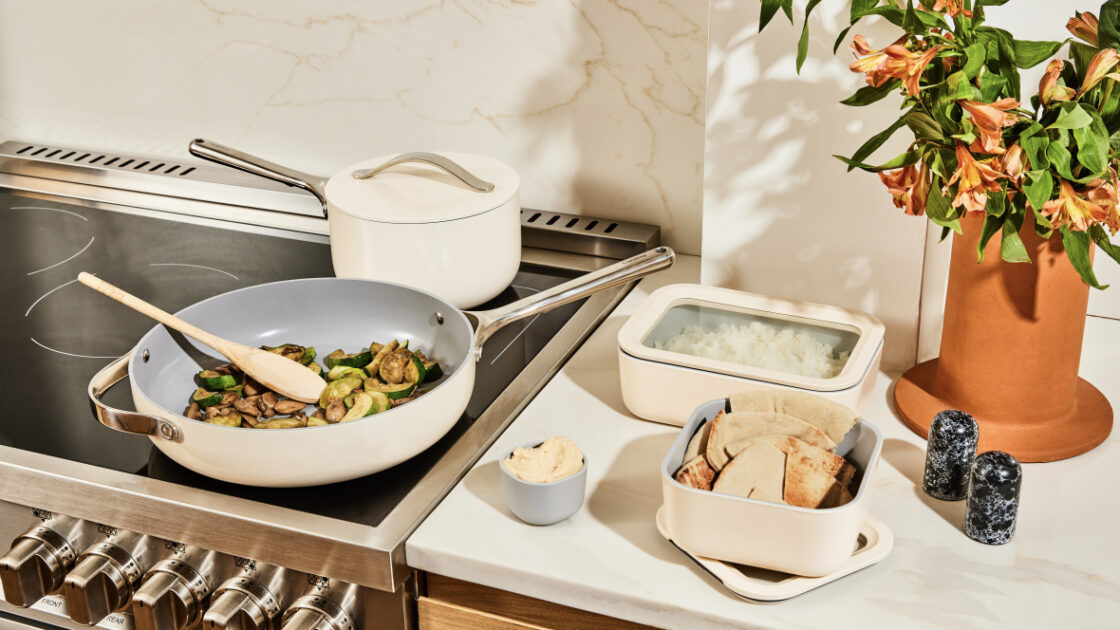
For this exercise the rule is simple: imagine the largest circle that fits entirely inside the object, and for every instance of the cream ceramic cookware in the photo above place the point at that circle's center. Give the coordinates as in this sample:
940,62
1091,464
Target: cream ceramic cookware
665,386
448,223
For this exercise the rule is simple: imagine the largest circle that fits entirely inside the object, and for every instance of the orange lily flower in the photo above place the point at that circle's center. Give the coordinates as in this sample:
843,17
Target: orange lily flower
1084,26
1014,163
1072,210
990,119
974,179
892,62
952,7
1103,62
1104,195
1048,88
908,187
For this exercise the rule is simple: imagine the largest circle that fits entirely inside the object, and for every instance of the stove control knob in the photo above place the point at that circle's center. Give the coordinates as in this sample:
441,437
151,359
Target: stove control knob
35,565
102,582
171,597
242,604
317,612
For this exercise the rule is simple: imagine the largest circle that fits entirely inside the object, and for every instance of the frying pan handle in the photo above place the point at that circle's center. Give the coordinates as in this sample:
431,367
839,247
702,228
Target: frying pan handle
488,322
125,421
229,156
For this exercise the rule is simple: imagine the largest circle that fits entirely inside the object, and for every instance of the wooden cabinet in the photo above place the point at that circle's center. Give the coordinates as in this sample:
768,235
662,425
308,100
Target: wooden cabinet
449,604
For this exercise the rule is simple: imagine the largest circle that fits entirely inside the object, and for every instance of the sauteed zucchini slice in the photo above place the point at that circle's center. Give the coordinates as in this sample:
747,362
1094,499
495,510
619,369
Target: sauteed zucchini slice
230,419
205,398
366,404
358,359
393,392
432,371
213,381
316,368
344,371
382,352
337,390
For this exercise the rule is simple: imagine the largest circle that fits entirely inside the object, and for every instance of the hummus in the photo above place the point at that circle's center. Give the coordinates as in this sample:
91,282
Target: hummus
554,459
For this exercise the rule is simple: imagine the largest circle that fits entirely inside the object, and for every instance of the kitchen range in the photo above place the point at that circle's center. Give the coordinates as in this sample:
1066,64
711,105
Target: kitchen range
110,531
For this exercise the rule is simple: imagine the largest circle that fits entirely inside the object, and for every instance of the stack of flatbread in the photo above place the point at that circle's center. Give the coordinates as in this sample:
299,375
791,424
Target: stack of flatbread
773,446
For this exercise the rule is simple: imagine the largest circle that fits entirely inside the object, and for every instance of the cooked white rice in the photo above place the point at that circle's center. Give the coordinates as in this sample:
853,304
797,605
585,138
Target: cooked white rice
760,345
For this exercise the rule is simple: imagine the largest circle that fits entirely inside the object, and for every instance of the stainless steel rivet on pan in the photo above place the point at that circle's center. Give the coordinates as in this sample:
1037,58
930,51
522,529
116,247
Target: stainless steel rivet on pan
439,318
147,355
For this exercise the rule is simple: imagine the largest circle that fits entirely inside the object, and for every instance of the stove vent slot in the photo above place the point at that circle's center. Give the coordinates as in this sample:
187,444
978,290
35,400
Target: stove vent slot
587,235
103,160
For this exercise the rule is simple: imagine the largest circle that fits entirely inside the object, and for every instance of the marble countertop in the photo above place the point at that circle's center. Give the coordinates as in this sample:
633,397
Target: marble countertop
1062,569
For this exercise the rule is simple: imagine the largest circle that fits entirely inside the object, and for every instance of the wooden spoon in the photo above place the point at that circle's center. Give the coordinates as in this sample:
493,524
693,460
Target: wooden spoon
280,374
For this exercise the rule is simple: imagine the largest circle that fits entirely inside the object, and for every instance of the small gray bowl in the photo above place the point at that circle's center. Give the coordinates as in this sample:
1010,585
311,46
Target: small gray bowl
542,503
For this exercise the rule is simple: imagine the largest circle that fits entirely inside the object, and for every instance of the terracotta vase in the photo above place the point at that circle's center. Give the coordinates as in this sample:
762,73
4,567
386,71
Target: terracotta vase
1010,350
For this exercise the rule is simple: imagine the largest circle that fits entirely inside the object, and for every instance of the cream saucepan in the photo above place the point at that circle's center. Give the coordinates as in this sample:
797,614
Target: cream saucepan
448,223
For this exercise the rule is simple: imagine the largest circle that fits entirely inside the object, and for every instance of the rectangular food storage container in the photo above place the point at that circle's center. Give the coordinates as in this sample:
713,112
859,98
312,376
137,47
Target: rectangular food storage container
665,386
801,541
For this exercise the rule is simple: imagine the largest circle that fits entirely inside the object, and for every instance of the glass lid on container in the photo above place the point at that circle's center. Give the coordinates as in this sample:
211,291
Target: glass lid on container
812,346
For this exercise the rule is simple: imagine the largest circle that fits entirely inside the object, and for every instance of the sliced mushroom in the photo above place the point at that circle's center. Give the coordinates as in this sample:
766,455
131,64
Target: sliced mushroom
268,412
252,388
392,367
318,413
194,412
269,400
284,407
335,411
228,398
216,410
250,420
249,406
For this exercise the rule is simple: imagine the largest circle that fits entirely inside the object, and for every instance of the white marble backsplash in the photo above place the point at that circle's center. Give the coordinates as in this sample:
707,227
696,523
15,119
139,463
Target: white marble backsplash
599,104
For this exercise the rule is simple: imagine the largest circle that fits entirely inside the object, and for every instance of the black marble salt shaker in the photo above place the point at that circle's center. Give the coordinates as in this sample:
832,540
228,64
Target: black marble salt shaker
950,451
993,498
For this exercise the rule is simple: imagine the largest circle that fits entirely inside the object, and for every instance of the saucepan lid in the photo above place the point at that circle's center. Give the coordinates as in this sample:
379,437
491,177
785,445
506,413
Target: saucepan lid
422,187
800,344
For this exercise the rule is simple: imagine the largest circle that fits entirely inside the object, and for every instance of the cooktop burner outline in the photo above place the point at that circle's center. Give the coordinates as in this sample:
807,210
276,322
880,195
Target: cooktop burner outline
195,267
44,296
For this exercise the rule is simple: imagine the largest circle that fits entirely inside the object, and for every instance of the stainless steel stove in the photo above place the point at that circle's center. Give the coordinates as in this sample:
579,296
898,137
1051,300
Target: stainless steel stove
108,531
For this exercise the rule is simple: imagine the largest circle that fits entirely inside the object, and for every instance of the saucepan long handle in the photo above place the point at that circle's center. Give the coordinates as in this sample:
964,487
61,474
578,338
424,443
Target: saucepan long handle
125,421
488,322
229,156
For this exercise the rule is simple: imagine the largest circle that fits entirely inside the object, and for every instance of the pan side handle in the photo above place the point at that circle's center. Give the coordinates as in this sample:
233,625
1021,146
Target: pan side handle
488,322
238,159
125,421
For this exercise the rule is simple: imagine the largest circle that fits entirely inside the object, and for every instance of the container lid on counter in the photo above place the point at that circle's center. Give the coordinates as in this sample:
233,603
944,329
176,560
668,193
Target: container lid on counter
419,192
799,344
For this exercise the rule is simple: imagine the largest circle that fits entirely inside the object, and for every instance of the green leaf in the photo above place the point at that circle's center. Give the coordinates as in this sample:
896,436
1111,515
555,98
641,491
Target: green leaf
996,206
787,8
869,94
1034,141
940,211
840,39
991,85
769,8
945,231
992,225
910,22
861,8
905,159
922,125
959,87
1029,54
1042,225
1092,144
1108,31
803,43
1011,247
1006,65
1038,186
1060,159
1100,237
976,54
1082,54
1077,248
875,142
1071,116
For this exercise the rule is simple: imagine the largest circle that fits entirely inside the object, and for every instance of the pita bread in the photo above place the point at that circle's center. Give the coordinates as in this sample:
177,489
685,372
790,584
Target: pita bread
831,417
836,500
728,428
756,473
809,486
699,442
696,473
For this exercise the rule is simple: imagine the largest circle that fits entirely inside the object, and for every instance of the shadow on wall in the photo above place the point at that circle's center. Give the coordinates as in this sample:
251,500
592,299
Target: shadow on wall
781,215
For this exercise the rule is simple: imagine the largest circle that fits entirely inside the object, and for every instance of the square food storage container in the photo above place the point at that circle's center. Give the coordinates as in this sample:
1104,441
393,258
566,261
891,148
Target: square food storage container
665,386
797,540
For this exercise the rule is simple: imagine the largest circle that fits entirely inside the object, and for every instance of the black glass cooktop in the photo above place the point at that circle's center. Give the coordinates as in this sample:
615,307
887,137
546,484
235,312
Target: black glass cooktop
57,334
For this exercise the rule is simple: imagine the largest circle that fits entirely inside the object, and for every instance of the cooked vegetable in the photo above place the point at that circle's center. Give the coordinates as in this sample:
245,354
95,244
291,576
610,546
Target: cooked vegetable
393,392
213,381
338,357
343,371
391,376
206,399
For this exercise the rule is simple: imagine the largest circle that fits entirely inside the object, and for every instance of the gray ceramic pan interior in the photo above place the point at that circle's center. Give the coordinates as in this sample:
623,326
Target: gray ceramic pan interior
327,313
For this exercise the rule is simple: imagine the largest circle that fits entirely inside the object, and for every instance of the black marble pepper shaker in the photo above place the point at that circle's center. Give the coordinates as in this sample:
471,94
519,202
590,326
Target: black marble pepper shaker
993,498
951,448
